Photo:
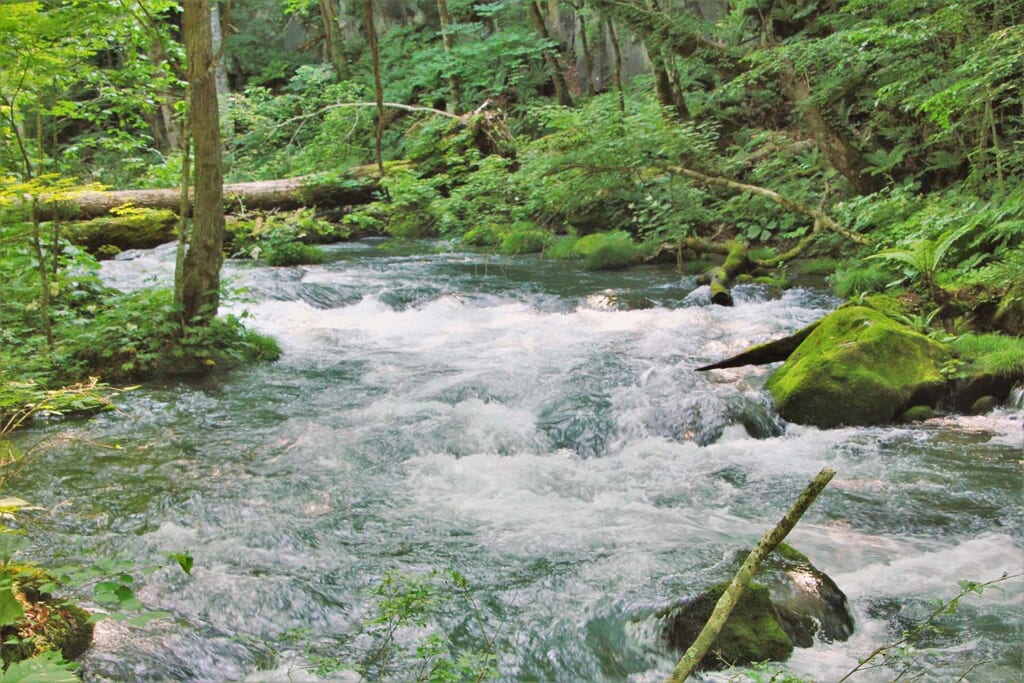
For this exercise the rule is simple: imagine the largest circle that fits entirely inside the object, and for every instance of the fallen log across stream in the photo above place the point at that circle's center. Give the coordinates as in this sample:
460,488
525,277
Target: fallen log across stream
358,185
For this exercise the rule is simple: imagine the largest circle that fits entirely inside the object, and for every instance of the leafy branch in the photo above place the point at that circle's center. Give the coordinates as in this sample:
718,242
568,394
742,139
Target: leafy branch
947,607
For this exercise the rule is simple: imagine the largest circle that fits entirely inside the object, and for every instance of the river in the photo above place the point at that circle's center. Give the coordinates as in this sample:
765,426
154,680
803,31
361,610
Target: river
538,429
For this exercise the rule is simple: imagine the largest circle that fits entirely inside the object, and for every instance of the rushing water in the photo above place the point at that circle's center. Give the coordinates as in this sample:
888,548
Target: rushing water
540,430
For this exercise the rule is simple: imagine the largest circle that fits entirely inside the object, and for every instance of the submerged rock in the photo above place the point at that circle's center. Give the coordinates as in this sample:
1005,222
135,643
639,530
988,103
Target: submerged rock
790,604
918,414
858,367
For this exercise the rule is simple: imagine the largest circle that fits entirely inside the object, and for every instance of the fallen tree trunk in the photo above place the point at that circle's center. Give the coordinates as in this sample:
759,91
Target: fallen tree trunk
762,354
357,186
720,277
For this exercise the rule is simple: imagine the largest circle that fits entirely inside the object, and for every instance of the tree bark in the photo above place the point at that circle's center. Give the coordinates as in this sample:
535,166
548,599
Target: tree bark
454,82
378,86
356,187
201,279
689,662
550,57
833,142
332,40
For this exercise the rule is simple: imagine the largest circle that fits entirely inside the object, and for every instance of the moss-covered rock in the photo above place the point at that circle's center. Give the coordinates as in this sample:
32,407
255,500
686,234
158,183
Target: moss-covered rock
46,624
133,229
858,367
753,632
983,405
791,604
917,414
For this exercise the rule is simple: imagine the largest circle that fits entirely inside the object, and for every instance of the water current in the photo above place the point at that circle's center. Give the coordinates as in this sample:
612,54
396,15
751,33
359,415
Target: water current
542,431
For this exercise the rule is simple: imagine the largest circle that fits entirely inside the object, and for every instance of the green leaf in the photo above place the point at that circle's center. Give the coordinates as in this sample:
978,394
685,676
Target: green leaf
10,608
48,667
184,560
146,617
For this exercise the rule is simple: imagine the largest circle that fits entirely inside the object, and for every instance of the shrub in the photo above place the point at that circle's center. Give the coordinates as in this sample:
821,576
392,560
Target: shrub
562,248
608,251
139,335
484,235
992,354
294,254
524,240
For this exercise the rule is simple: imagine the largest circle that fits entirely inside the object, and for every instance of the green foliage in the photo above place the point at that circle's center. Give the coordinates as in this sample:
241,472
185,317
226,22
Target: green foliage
614,251
923,257
294,254
140,335
856,278
306,128
409,636
524,239
48,667
260,235
993,354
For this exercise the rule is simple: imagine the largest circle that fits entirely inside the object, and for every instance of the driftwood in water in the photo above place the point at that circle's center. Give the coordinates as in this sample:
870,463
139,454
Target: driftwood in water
689,662
720,277
769,352
357,186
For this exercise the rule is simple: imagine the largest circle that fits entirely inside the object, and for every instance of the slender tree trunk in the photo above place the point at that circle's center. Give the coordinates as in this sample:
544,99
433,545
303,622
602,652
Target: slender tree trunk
617,74
220,71
378,86
201,279
454,82
587,82
550,57
184,204
332,39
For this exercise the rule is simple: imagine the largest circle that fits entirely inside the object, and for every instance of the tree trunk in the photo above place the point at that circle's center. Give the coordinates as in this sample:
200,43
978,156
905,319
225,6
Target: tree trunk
201,280
332,39
454,82
587,81
833,142
378,86
550,57
617,73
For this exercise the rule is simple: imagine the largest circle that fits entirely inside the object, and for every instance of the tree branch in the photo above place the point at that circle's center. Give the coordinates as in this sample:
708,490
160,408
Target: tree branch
688,664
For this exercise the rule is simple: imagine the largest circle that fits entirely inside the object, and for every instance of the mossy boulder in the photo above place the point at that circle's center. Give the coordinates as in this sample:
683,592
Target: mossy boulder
132,229
858,367
790,604
39,622
917,414
753,632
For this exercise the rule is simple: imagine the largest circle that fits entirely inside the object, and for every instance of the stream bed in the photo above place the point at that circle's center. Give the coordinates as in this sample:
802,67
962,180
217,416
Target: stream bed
541,431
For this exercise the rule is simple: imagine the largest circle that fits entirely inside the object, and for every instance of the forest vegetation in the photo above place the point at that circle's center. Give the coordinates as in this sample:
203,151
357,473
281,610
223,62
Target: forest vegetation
879,143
